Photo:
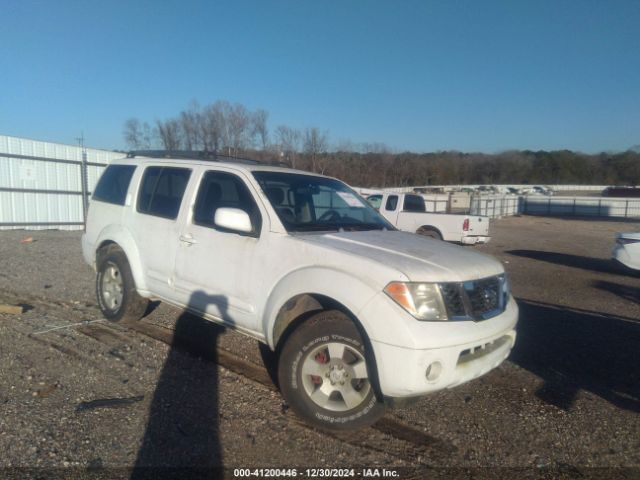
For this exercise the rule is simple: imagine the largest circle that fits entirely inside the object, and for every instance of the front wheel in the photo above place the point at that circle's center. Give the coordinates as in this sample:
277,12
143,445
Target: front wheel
325,374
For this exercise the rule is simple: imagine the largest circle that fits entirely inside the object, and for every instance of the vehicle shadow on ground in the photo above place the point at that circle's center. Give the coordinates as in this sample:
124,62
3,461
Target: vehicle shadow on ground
590,218
183,431
626,292
576,261
573,350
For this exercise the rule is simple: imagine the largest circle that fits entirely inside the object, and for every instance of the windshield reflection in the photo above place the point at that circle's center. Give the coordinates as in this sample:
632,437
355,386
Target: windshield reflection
307,203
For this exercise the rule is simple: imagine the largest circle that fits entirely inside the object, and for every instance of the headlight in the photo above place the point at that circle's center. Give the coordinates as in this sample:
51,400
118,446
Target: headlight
505,289
422,300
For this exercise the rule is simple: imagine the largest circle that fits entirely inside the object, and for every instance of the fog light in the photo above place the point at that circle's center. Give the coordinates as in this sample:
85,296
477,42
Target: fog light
433,371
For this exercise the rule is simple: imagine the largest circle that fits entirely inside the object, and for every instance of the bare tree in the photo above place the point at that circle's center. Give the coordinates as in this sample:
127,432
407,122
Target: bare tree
343,145
169,132
190,124
238,122
288,141
132,133
148,136
375,147
137,136
260,129
315,143
214,126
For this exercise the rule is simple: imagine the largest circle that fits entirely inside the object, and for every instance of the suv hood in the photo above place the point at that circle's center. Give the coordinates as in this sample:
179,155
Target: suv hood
419,258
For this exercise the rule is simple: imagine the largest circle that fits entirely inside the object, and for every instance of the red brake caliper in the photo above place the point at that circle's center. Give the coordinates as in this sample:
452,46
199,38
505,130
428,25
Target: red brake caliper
322,358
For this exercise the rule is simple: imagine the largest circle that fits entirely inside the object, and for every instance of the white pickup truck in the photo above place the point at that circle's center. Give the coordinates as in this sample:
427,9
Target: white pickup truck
408,213
358,313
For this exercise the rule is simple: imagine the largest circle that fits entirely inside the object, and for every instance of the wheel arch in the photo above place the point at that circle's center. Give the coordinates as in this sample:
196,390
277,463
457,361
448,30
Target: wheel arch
302,306
430,227
123,239
313,289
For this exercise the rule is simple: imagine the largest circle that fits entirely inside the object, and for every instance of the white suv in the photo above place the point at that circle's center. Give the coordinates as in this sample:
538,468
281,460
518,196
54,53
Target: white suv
359,313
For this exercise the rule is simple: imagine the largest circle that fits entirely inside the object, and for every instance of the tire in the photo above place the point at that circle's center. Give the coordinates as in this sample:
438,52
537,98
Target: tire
115,288
429,232
325,374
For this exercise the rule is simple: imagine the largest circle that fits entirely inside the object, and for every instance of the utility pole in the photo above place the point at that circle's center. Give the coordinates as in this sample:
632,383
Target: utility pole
84,178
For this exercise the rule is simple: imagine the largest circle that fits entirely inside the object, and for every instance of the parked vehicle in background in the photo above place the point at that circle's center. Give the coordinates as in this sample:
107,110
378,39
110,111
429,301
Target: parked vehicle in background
540,190
629,192
627,250
359,314
408,213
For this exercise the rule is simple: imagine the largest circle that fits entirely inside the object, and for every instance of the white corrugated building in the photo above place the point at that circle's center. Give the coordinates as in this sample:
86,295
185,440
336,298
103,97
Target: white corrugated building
41,183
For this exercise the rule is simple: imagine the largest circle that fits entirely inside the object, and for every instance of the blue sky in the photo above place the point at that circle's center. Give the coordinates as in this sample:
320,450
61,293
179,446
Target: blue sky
417,75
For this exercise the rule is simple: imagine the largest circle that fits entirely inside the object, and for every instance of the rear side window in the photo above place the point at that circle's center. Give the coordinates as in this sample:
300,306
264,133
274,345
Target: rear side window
414,203
375,201
162,190
392,203
114,184
220,189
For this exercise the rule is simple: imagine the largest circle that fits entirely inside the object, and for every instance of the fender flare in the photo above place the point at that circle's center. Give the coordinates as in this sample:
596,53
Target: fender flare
124,239
337,285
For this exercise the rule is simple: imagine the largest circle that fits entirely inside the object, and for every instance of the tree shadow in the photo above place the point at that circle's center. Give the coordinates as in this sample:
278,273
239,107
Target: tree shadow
575,261
573,350
182,434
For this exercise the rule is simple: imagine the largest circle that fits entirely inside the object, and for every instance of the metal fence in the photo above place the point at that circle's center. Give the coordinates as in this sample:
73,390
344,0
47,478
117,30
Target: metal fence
446,188
437,203
582,206
46,185
496,206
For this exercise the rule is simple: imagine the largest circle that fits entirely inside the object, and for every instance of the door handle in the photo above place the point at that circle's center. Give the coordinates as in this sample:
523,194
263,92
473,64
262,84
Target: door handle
188,239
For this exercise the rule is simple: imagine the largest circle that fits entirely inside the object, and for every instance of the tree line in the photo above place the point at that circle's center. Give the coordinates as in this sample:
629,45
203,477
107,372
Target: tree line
232,129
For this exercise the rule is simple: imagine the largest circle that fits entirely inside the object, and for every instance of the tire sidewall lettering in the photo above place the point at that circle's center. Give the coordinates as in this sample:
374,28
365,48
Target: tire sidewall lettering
322,329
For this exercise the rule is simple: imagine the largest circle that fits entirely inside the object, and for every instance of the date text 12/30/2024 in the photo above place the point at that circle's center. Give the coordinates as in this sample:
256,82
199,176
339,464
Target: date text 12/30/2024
315,473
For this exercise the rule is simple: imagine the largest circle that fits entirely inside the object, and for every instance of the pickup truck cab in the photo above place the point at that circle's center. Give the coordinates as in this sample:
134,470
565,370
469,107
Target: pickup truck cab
408,213
358,313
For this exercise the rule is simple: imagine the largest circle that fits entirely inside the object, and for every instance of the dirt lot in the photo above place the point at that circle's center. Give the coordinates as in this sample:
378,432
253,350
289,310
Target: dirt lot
94,394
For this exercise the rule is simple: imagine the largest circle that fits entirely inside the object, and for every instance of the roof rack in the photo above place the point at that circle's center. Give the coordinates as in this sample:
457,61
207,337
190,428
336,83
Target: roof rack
202,155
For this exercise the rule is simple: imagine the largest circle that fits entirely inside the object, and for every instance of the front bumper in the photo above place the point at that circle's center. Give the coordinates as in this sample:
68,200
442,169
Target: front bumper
409,373
414,358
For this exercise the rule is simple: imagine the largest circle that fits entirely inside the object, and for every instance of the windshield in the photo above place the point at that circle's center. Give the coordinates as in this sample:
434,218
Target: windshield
306,203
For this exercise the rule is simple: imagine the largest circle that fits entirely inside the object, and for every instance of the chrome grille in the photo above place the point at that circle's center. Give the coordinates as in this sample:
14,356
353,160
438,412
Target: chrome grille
452,299
474,300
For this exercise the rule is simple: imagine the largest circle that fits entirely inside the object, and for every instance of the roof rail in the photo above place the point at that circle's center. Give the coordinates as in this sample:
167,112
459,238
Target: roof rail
202,155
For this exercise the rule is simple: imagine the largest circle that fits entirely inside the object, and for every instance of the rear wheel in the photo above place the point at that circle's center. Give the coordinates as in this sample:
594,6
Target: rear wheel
115,288
429,232
326,376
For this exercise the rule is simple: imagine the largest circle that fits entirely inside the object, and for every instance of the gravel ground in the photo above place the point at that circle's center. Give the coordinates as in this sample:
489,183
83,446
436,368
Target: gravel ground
568,398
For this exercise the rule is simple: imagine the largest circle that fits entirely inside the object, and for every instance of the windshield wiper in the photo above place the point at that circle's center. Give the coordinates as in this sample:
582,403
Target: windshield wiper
361,227
316,227
334,227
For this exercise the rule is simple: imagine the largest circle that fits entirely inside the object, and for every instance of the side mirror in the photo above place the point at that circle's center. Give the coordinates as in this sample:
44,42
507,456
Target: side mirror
233,219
